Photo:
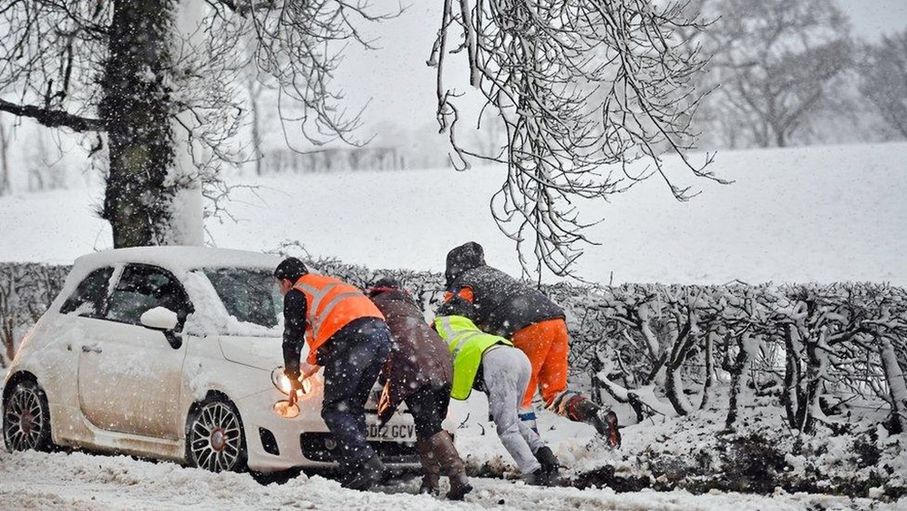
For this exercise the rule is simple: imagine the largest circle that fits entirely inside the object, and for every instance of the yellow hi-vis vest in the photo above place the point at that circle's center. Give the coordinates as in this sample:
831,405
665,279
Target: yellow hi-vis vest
467,344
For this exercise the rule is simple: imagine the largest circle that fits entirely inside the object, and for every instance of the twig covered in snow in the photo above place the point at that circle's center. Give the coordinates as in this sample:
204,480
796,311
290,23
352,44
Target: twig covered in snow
584,89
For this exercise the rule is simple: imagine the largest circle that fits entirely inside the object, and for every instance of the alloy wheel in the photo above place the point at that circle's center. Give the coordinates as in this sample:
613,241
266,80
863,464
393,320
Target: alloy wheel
215,438
24,419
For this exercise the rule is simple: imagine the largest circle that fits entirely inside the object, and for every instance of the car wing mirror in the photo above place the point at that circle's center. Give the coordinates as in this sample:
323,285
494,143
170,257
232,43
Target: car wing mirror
159,318
165,321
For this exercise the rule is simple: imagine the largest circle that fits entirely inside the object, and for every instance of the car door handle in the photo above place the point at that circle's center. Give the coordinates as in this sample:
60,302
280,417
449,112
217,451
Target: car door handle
91,348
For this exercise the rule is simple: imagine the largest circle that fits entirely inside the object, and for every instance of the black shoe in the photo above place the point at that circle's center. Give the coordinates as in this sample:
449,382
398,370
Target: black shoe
537,478
550,465
370,474
459,487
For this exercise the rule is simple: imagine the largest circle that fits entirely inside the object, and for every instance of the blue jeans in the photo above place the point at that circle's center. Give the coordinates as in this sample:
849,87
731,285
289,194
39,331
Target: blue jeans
352,362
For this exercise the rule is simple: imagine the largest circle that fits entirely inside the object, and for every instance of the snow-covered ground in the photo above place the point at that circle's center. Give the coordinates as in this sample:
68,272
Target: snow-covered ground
81,481
84,481
822,213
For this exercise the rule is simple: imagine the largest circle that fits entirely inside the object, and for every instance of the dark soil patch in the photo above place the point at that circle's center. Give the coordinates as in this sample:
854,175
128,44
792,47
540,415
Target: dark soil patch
605,477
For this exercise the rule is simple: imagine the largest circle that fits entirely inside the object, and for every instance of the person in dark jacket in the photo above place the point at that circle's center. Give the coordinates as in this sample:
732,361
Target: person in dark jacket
347,335
507,307
418,373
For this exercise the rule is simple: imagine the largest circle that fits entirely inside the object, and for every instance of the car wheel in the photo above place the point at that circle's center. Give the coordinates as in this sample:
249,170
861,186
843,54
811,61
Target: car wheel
215,439
26,418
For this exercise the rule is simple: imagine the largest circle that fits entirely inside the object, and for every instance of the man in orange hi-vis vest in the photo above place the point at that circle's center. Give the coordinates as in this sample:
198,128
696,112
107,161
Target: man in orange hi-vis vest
347,336
504,306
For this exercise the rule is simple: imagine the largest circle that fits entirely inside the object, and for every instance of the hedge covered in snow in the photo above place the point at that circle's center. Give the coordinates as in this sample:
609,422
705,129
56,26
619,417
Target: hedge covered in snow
664,348
26,290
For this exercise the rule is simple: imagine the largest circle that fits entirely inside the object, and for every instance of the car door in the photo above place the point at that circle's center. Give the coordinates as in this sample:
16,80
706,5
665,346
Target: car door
130,376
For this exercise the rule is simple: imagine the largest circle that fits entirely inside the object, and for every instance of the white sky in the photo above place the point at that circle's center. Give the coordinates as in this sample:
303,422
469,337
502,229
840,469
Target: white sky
401,88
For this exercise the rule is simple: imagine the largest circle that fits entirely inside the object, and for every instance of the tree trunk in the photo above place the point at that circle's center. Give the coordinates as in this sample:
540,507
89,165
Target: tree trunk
780,137
186,226
709,371
816,363
897,385
740,362
4,161
136,109
674,391
792,378
256,128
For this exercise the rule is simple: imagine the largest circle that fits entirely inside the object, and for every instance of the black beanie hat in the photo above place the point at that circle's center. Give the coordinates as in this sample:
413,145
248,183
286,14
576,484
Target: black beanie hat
290,268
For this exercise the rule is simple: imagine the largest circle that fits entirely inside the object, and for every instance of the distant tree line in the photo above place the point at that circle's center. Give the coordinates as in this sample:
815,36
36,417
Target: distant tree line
790,72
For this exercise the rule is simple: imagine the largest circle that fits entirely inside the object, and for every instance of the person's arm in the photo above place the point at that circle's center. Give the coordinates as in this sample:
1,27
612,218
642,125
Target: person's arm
294,327
308,369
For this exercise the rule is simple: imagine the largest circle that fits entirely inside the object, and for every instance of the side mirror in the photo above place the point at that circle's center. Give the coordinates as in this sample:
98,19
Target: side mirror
159,318
164,320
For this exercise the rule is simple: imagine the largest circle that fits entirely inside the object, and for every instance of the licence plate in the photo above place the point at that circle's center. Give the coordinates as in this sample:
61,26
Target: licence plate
392,433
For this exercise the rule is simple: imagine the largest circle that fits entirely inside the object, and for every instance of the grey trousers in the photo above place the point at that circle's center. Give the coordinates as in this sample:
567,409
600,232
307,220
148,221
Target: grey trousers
506,371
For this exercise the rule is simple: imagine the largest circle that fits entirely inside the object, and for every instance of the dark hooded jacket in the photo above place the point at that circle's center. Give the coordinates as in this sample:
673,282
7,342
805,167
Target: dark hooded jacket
502,304
419,357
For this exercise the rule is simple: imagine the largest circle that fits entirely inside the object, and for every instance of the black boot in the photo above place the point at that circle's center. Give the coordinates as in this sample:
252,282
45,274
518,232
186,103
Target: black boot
443,446
550,465
370,473
537,478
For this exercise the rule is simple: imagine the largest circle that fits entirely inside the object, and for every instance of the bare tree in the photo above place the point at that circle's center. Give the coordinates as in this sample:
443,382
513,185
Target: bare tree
131,73
884,80
5,186
255,89
774,63
584,89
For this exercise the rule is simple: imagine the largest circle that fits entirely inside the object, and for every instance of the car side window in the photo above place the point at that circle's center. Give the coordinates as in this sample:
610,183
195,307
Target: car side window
143,287
89,294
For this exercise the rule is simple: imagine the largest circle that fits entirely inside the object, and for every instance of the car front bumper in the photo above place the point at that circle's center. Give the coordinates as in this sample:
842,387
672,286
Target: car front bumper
274,443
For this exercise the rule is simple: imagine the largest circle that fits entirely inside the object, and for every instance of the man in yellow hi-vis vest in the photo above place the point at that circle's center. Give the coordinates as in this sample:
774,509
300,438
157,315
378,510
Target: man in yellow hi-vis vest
491,364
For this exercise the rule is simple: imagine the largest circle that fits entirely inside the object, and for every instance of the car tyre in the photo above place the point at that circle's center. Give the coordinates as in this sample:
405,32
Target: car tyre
215,439
26,418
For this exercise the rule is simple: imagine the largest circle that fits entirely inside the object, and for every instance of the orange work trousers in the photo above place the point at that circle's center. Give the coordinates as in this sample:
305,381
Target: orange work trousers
547,345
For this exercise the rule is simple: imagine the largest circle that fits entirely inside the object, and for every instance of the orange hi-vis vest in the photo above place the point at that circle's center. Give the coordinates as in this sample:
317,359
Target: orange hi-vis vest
331,304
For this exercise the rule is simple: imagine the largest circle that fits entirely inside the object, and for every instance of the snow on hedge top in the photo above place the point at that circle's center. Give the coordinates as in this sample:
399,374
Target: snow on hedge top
180,259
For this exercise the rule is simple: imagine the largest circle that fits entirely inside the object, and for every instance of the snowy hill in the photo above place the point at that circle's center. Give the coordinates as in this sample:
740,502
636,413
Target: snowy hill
818,213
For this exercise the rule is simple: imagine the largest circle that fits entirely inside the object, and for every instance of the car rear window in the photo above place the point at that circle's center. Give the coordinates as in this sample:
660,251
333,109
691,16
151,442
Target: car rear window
249,295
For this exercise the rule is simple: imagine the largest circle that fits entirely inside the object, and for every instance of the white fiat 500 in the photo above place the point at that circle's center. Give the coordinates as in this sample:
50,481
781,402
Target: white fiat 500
174,353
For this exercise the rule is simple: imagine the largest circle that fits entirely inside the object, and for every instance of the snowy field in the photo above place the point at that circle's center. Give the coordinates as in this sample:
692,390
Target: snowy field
820,213
806,214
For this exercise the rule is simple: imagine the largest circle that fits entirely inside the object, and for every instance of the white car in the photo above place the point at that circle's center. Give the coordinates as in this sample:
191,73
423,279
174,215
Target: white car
174,353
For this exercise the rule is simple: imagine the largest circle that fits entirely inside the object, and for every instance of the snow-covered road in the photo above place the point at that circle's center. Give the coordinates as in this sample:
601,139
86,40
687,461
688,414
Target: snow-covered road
86,482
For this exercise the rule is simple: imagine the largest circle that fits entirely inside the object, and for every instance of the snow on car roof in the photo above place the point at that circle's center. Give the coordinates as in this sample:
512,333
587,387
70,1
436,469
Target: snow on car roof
176,258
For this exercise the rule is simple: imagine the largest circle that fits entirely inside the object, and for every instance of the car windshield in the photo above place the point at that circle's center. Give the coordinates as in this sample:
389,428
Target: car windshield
249,295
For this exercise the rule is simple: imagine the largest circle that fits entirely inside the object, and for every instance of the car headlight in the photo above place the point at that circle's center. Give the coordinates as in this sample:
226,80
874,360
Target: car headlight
284,384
